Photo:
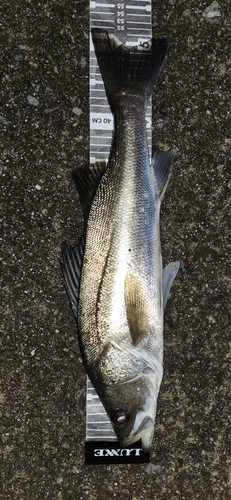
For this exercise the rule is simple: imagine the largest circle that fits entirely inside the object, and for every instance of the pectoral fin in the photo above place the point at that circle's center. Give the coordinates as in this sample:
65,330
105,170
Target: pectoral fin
136,308
168,276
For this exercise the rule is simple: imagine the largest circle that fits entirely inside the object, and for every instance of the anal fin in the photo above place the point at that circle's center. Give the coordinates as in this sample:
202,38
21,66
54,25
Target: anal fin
162,165
168,275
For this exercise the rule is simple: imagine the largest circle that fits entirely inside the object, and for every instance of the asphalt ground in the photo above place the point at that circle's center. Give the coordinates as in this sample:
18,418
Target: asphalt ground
45,134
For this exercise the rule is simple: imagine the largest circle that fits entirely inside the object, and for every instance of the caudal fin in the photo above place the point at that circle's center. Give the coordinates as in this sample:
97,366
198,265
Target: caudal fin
128,71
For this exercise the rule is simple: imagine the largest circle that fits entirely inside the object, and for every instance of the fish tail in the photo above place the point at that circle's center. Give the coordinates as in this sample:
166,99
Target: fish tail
128,71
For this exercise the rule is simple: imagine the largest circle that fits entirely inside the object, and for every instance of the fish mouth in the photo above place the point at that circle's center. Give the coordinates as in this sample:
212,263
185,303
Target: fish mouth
143,429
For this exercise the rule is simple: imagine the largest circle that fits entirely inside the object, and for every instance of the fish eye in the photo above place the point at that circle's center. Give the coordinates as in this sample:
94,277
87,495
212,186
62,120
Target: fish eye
119,417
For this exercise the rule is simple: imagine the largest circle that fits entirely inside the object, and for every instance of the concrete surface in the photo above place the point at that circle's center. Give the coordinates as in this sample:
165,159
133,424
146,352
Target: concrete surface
44,121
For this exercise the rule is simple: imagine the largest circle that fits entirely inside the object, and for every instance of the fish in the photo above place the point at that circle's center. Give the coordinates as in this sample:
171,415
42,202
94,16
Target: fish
114,276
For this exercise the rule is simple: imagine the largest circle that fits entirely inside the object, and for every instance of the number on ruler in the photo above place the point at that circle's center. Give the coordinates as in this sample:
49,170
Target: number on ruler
120,16
145,44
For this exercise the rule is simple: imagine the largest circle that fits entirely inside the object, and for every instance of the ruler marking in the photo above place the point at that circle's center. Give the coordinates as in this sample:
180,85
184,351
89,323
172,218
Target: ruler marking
107,5
138,7
137,29
133,22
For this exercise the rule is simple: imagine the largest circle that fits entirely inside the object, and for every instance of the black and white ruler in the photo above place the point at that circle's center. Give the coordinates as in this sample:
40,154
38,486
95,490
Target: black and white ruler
130,21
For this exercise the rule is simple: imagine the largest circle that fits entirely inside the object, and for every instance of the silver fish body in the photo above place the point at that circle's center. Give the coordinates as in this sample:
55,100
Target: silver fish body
115,277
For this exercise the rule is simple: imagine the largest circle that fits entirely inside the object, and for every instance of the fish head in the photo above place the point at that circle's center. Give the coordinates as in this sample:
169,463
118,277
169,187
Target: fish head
129,387
134,409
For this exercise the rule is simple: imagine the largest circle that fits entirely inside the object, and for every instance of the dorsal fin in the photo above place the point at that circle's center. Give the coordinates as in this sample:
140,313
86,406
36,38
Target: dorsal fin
162,164
87,179
71,267
136,308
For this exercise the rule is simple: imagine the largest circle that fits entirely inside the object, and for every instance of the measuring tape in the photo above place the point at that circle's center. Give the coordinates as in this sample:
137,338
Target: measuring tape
131,22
